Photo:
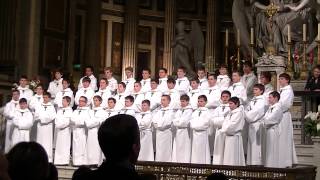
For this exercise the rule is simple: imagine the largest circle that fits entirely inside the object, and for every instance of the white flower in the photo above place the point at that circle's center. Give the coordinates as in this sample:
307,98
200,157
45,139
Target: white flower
318,127
312,115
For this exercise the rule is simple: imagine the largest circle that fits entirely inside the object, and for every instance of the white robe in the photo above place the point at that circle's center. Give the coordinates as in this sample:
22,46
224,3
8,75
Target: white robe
144,120
45,115
112,84
271,123
217,120
175,98
138,98
105,94
25,93
79,141
55,86
163,86
129,111
22,123
199,124
248,81
129,84
239,91
268,88
162,121
87,92
287,147
203,84
223,82
65,92
193,95
93,83
145,85
35,101
110,113
181,151
233,147
182,85
8,113
213,95
120,99
97,115
63,139
154,96
253,115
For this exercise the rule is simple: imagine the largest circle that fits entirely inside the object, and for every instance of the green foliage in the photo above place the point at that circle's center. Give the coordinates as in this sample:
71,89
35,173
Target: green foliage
310,128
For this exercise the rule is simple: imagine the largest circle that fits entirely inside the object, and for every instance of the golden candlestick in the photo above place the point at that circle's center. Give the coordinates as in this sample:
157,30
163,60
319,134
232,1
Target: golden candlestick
304,73
238,57
289,64
252,52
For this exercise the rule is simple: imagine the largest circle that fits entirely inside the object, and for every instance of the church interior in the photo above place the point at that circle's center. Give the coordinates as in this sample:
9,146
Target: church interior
39,36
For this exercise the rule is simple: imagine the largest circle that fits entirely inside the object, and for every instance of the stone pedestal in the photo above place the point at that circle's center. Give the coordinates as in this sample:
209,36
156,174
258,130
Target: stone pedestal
273,64
316,154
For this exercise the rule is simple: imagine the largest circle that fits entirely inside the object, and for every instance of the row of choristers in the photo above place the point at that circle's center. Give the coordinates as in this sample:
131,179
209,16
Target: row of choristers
180,120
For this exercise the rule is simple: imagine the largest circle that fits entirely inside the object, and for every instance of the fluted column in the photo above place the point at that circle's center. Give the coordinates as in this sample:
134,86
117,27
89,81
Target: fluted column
130,36
211,35
169,32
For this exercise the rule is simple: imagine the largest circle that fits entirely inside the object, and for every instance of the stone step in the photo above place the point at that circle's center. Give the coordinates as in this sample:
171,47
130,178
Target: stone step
65,172
304,149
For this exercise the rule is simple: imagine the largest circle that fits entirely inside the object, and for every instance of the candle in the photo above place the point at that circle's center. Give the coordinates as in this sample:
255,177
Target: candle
227,37
304,32
319,32
238,37
289,34
251,36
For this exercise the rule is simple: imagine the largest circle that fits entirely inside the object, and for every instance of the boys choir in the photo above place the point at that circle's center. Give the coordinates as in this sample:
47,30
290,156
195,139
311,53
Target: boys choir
209,119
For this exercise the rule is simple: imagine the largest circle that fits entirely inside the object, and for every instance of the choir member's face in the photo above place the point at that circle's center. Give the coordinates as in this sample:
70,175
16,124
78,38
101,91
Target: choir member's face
232,105
246,69
283,81
263,80
184,103
145,74
272,100
23,82
225,98
128,103
201,74
145,107
194,84
201,102
65,84
212,81
164,101
85,84
57,75
180,73
46,99
154,85
111,104
15,96
65,103
103,84
128,73
88,72
82,102
120,88
170,85
223,71
136,87
316,72
162,74
96,102
23,105
236,77
256,91
108,74
39,90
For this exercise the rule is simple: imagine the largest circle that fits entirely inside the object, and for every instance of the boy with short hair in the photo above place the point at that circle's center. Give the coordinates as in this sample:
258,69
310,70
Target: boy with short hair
55,86
86,91
129,80
202,76
88,74
138,95
194,93
23,87
129,108
212,92
66,91
36,99
145,82
154,95
223,80
120,96
249,79
104,92
163,77
112,82
237,89
173,93
182,82
110,110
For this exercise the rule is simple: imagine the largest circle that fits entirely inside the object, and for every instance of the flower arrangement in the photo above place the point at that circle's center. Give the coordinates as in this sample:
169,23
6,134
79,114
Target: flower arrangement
33,84
312,124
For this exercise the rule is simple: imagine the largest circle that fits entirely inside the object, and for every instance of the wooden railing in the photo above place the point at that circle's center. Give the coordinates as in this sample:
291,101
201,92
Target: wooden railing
309,103
181,171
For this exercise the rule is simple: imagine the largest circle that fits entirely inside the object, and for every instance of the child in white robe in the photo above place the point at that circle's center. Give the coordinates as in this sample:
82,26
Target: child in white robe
120,96
271,123
174,94
23,87
146,80
253,115
79,138
217,120
181,151
162,121
232,128
112,82
182,82
202,76
88,74
199,124
97,115
163,77
194,93
138,95
44,116
129,108
237,89
86,91
265,79
110,110
63,131
36,99
129,80
144,120
154,95
249,79
8,113
104,92
55,86
223,80
22,122
213,93
66,91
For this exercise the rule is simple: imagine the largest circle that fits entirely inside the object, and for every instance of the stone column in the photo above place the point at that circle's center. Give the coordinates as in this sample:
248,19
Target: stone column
92,35
130,36
169,33
211,35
